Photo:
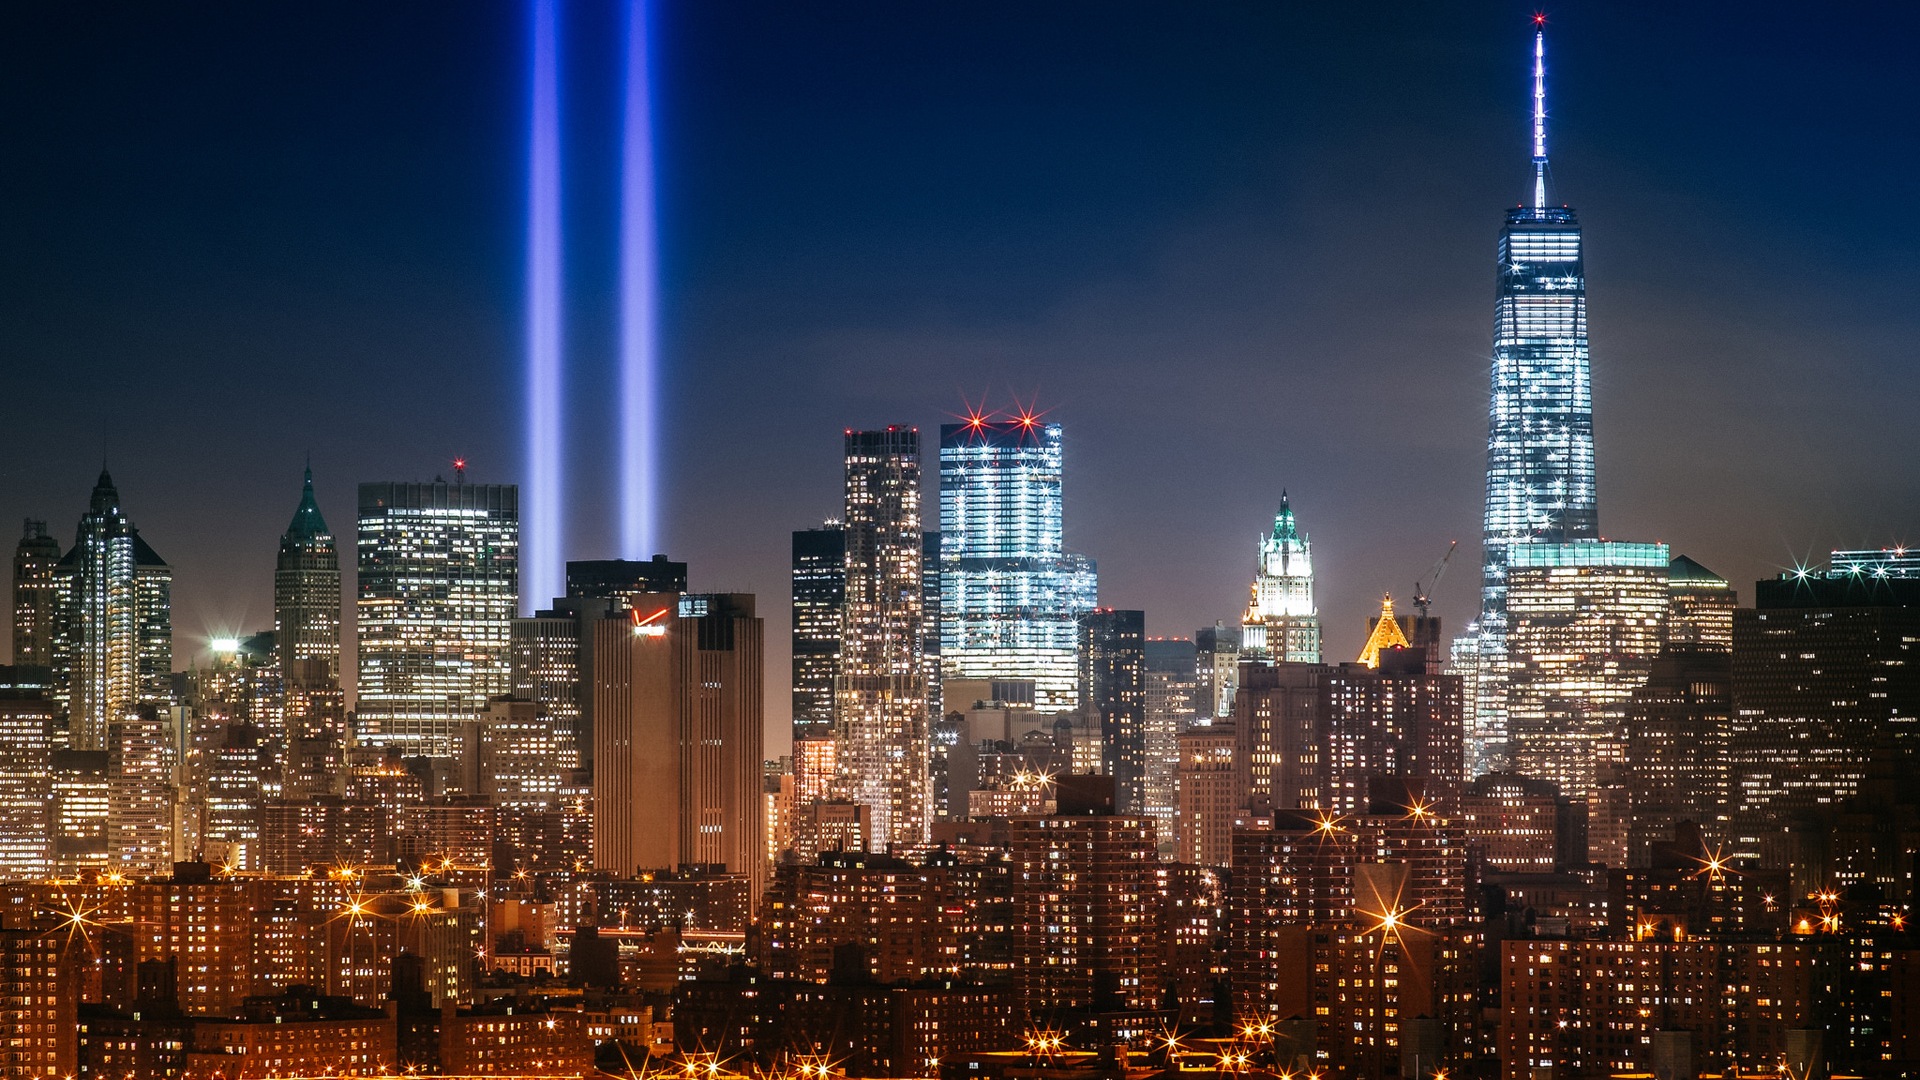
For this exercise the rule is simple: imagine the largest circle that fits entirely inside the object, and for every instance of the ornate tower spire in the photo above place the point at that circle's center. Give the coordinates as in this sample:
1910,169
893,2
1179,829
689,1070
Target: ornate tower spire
1540,112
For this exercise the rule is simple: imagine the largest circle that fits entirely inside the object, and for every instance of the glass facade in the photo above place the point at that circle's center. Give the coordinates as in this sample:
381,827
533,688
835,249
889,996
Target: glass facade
1540,465
1011,598
439,585
1587,620
1540,473
1893,562
113,645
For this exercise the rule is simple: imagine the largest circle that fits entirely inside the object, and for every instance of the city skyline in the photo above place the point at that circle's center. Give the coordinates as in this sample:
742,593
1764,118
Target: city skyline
1361,495
1044,788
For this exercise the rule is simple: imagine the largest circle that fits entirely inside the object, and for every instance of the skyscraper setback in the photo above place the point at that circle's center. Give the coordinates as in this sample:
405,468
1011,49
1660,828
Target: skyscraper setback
1011,596
881,728
1540,465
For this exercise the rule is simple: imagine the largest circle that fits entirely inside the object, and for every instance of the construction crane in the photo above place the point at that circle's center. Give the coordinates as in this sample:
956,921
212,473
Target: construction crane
1423,600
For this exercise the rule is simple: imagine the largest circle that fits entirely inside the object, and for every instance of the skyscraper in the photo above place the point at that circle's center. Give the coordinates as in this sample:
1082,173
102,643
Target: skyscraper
881,732
551,665
439,585
1173,706
140,791
1011,596
819,594
1281,622
1540,465
114,643
1586,620
551,651
1084,926
27,722
678,733
1677,724
35,595
1700,607
1113,691
1216,669
1826,693
306,622
306,587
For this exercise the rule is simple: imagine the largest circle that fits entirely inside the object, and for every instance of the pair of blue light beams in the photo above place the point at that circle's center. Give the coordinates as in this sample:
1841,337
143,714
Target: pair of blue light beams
543,555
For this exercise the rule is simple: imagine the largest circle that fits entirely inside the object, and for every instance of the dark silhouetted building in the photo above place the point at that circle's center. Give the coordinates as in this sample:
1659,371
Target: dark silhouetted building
35,596
1113,690
819,597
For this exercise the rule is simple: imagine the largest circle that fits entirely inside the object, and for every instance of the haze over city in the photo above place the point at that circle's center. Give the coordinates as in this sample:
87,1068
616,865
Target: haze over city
1232,250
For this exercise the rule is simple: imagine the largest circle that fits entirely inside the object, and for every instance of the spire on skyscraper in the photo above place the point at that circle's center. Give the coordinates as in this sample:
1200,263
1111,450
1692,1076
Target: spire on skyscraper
1540,112
1386,634
105,496
307,523
1281,622
306,590
1284,527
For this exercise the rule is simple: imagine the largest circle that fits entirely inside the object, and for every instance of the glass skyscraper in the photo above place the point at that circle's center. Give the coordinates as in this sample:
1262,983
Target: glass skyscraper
1011,598
1586,620
113,646
1540,470
439,586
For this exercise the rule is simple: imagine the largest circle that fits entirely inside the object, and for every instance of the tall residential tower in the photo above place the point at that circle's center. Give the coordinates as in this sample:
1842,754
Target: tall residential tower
881,733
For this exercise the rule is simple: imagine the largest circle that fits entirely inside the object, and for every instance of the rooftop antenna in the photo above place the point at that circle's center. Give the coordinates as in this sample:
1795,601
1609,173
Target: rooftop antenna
1540,112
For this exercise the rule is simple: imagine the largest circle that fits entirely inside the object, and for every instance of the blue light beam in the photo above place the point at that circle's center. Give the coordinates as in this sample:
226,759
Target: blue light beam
639,301
541,576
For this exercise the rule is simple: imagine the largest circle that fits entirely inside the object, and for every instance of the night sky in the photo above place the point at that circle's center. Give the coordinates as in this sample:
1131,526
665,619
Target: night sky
1233,248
